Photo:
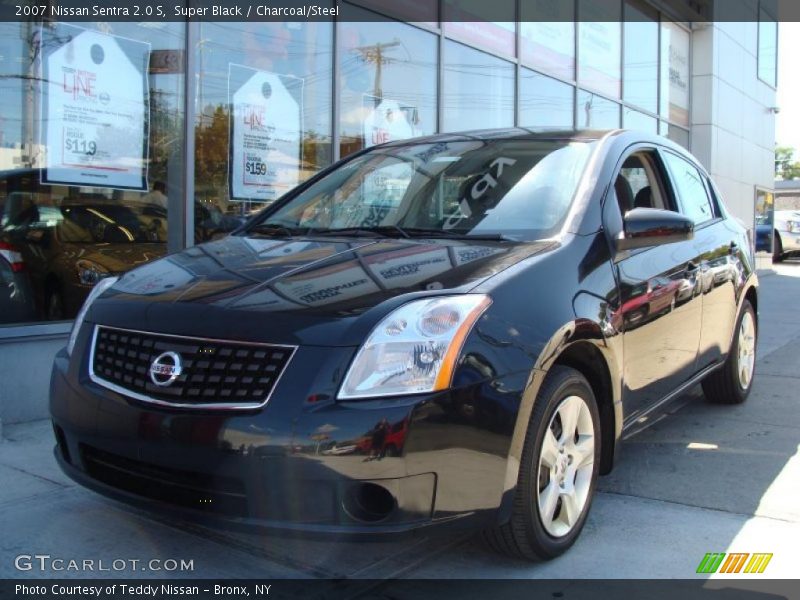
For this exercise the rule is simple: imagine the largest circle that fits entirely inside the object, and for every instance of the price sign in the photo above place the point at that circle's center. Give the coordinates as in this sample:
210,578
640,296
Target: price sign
95,131
266,133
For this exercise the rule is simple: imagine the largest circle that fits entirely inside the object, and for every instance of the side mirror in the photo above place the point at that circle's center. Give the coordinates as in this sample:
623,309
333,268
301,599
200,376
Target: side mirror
644,227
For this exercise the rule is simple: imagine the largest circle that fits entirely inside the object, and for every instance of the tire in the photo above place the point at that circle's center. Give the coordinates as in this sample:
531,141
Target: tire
777,250
727,385
527,534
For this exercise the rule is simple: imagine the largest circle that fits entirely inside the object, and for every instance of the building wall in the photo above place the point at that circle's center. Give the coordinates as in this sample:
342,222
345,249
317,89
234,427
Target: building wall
25,376
733,128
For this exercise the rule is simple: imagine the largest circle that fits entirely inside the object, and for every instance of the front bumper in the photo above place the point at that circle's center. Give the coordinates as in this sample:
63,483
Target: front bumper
293,465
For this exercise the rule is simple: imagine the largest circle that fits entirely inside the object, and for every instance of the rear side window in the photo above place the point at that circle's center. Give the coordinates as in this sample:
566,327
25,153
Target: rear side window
690,189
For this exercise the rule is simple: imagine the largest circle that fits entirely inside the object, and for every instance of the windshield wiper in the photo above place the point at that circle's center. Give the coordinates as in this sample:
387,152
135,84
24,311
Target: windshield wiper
271,229
458,235
381,230
279,230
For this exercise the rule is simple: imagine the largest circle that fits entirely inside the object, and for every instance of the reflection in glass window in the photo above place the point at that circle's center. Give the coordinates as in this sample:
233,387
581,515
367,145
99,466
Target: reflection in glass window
764,220
767,48
641,59
547,36
489,25
497,36
545,102
264,116
478,90
596,112
105,209
600,46
678,135
675,73
633,119
388,83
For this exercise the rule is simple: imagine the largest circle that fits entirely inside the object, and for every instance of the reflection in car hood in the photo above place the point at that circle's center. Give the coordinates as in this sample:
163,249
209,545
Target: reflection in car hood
118,258
308,280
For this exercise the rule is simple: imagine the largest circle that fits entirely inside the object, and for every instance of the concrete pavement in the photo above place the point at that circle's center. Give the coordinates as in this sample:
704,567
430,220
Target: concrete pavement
703,479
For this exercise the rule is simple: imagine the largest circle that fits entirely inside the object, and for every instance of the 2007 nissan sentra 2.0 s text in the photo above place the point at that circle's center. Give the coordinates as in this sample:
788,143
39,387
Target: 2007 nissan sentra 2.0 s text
448,330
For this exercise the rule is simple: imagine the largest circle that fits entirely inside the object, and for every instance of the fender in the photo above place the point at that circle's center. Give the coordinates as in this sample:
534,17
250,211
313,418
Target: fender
751,283
569,335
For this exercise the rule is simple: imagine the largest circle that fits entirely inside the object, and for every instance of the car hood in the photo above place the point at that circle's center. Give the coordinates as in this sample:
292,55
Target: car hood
314,291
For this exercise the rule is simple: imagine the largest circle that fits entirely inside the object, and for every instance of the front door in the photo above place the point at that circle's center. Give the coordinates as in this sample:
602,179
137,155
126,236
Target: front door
659,307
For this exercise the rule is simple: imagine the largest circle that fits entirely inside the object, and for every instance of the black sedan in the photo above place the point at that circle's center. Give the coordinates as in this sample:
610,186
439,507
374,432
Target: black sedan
448,330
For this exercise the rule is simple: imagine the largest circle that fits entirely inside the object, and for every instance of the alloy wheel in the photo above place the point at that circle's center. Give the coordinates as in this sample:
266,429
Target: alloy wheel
566,462
747,350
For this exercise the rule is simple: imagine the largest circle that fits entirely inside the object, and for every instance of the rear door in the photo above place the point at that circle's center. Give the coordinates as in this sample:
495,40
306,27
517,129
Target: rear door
658,312
717,243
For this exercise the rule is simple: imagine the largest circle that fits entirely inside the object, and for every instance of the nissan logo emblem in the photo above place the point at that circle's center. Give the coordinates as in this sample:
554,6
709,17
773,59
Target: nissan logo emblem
166,368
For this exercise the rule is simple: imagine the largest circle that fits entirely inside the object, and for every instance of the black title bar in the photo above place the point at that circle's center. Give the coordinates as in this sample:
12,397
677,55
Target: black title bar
432,11
401,589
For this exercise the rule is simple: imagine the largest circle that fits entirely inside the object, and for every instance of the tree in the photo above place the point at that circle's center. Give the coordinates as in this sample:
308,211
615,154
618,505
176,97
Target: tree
211,148
786,167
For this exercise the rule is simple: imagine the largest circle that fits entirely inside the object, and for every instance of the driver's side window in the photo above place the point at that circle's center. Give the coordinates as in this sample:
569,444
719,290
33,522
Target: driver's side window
639,184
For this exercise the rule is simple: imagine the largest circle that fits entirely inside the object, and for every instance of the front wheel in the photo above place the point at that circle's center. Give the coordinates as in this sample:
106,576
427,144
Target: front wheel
558,471
732,383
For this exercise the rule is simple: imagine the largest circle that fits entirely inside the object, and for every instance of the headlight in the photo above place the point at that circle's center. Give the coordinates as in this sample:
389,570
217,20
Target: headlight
98,289
414,349
90,272
793,225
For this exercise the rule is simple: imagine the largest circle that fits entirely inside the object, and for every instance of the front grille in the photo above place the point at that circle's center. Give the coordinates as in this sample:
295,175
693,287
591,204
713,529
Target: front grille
215,373
212,493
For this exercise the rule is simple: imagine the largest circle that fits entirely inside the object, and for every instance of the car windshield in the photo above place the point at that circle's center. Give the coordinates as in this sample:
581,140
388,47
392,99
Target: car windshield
110,223
511,189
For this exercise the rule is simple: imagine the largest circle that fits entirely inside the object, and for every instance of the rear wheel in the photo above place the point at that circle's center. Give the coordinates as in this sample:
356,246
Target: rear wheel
777,250
732,383
558,471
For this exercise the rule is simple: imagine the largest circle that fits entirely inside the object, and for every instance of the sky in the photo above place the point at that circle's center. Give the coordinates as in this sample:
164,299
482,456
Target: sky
787,126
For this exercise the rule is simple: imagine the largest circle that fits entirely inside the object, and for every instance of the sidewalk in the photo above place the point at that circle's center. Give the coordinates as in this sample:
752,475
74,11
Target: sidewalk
704,479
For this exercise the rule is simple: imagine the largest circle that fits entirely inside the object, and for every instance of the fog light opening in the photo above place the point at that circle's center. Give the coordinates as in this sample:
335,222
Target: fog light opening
368,502
61,442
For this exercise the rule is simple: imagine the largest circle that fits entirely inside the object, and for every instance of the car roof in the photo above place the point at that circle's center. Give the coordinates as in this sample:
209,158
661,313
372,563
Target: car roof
624,137
510,133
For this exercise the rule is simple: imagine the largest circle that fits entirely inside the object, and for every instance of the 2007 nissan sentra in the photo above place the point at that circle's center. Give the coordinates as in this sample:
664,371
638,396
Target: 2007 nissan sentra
448,330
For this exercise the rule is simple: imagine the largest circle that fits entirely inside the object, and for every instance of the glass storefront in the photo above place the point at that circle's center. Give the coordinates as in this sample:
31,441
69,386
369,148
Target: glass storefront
544,101
258,83
478,89
387,83
91,169
120,142
641,58
596,112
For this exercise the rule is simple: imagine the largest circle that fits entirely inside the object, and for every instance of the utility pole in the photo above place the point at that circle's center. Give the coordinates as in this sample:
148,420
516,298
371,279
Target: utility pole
376,54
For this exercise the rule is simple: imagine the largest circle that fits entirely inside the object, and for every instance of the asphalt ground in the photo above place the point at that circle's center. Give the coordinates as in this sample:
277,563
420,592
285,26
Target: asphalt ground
704,478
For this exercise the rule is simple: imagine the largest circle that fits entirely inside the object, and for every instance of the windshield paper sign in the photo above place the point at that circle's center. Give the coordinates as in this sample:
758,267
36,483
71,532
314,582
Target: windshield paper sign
95,131
266,133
